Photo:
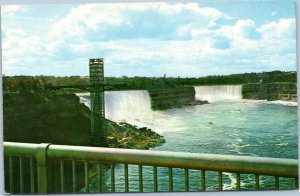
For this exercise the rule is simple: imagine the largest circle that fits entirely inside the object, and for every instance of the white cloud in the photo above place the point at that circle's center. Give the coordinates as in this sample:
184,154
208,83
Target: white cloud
280,29
11,9
149,19
152,39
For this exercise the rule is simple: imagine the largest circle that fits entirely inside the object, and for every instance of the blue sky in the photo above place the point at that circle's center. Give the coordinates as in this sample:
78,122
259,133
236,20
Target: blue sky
150,39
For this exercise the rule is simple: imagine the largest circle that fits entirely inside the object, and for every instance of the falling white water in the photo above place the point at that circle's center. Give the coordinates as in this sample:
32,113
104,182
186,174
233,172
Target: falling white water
127,105
218,93
124,105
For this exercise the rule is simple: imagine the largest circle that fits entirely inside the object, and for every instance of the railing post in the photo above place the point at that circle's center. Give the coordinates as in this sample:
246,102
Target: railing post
42,168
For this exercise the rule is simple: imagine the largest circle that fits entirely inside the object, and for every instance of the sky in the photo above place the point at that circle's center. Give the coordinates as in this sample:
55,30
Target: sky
192,39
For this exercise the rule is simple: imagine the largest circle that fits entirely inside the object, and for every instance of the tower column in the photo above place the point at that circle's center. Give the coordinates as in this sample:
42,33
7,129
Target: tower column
98,130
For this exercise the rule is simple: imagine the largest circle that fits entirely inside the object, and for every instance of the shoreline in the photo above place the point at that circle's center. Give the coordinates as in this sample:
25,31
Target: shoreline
277,102
286,103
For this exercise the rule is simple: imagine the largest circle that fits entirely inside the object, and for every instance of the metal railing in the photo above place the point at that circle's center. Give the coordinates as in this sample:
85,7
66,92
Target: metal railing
45,168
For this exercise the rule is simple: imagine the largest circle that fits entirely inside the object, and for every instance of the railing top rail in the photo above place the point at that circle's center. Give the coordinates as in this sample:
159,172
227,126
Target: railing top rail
213,162
20,149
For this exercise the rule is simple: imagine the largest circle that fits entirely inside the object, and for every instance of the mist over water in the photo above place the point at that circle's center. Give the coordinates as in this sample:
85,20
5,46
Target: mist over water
228,125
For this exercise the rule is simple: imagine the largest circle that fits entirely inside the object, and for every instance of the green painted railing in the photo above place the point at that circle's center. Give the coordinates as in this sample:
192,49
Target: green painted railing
45,168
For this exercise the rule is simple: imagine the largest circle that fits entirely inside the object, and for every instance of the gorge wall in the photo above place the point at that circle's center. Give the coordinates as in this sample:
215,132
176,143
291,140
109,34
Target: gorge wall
172,97
270,91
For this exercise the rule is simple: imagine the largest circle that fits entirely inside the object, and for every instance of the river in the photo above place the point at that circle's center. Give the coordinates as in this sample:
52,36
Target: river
228,125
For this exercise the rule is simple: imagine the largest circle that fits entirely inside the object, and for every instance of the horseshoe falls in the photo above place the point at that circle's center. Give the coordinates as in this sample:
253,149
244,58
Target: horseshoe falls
218,93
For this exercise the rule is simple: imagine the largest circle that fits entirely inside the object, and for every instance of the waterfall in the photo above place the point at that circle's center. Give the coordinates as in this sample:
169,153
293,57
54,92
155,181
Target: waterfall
124,105
218,93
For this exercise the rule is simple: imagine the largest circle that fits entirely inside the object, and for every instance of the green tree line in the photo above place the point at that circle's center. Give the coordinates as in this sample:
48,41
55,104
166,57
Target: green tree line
39,83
